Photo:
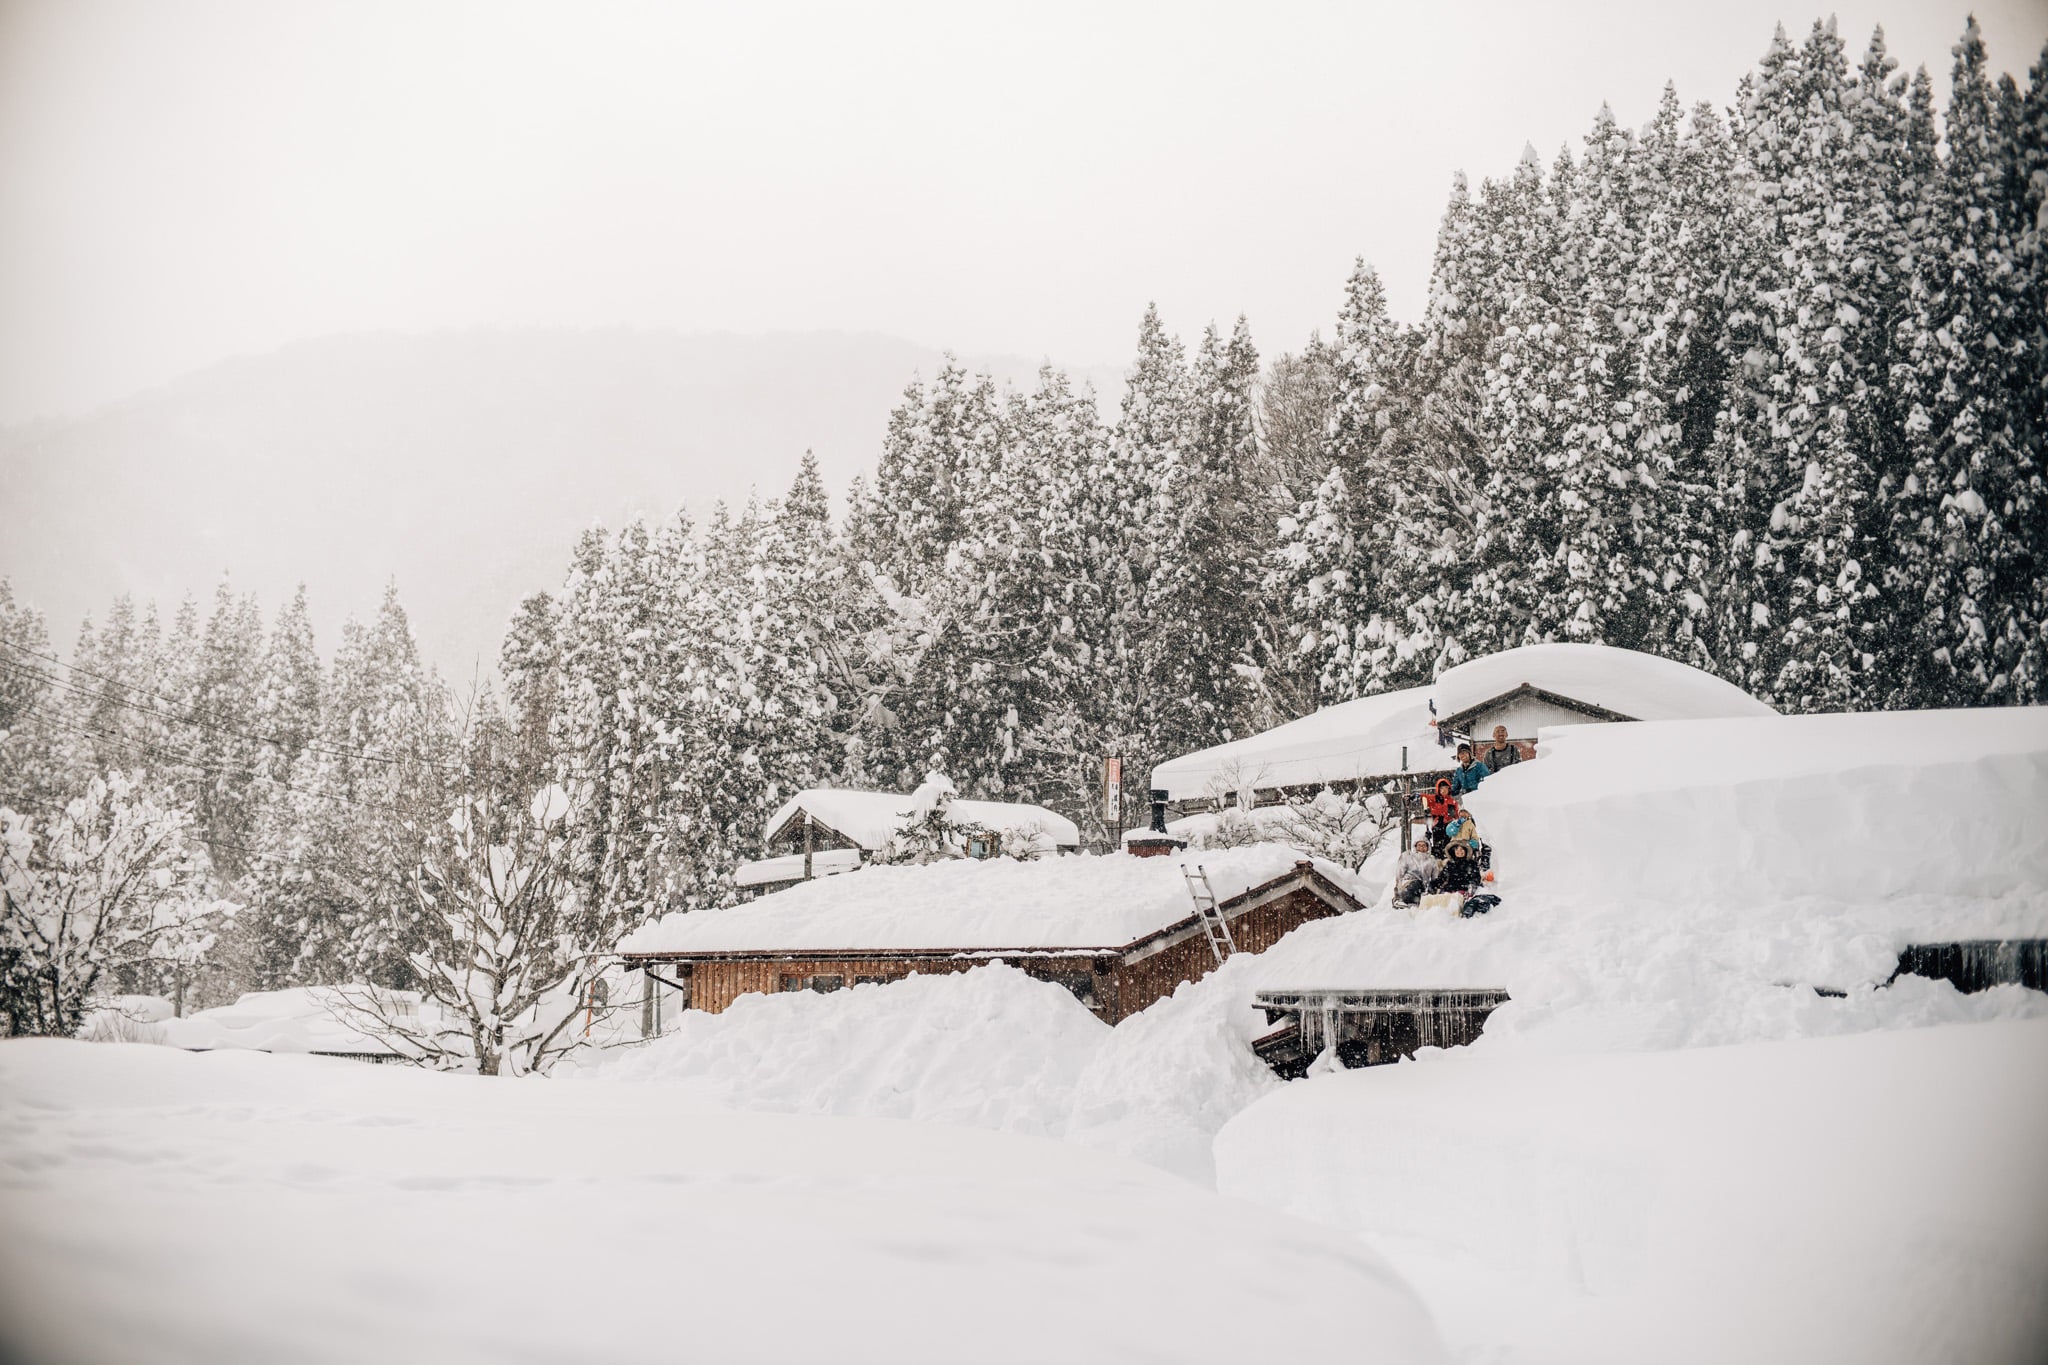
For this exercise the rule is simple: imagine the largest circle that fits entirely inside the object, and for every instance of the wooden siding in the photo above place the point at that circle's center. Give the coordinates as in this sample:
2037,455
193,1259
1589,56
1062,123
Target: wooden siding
1114,986
716,984
1157,975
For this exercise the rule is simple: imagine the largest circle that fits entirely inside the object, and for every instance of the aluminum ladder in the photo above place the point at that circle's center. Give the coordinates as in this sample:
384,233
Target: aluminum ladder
1215,928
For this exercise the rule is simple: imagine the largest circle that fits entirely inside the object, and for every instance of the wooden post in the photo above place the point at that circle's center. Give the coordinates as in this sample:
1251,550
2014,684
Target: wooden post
807,845
1407,802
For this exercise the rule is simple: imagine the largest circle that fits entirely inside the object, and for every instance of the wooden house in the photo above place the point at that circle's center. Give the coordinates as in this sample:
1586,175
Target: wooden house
1119,932
1369,743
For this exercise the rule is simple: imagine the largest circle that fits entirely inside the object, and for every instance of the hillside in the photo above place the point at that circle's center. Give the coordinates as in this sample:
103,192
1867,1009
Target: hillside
288,467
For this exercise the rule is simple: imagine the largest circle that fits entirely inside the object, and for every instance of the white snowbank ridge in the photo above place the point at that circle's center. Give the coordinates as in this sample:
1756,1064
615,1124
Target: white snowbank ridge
1874,1199
302,1019
1064,902
990,1048
1848,808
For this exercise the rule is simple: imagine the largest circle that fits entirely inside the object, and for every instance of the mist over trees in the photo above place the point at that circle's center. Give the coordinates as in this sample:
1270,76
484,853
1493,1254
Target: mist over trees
1760,389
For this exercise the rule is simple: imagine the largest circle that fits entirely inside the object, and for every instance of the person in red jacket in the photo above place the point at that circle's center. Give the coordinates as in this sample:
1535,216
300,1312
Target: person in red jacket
1443,808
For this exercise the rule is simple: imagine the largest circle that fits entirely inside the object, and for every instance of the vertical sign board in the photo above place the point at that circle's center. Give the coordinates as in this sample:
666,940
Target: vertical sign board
1113,796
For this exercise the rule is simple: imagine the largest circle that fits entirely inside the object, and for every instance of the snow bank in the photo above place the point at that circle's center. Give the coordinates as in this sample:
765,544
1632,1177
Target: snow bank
1845,807
869,818
1653,898
1868,1199
227,1207
989,1048
1624,681
1067,902
302,1019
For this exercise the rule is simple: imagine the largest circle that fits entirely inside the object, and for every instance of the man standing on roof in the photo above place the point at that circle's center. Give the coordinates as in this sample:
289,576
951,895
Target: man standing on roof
1467,776
1502,754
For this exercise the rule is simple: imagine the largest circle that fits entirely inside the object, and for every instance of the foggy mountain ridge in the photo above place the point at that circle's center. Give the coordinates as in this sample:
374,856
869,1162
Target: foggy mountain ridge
462,464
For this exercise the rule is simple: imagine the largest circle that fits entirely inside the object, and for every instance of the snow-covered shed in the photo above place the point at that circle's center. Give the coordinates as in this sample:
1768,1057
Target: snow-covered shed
1371,740
1119,932
828,830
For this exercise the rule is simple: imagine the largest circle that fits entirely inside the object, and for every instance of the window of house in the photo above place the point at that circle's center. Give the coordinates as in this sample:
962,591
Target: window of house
1083,988
823,984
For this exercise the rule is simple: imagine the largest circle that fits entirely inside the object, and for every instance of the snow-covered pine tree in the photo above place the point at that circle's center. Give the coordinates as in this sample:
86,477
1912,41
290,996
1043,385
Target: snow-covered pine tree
1296,403
1201,591
1435,460
1677,298
530,662
633,689
1521,539
337,873
1153,436
32,774
220,741
1798,580
1333,552
264,940
1968,513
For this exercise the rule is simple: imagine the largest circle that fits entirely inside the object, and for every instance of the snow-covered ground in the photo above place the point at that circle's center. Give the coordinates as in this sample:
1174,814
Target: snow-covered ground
226,1207
1874,1199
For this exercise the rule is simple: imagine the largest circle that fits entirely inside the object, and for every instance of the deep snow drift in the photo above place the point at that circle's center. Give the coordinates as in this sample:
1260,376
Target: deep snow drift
1871,1199
165,1206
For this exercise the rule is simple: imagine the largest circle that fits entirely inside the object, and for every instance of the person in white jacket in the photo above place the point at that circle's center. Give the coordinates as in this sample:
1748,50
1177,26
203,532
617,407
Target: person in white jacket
1414,874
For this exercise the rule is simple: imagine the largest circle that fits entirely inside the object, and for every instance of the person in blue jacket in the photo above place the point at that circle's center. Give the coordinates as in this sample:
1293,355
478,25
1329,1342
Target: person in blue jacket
1469,773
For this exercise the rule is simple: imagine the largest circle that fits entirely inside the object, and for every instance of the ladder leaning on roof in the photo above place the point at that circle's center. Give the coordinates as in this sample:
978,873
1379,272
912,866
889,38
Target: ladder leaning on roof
1208,914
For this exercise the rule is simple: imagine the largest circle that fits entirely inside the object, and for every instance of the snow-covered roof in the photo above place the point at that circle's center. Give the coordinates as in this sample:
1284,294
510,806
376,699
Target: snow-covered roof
1626,681
1364,738
1082,901
869,818
825,862
1340,743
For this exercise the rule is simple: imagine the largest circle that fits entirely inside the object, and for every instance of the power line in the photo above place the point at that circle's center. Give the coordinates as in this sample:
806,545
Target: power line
133,746
274,741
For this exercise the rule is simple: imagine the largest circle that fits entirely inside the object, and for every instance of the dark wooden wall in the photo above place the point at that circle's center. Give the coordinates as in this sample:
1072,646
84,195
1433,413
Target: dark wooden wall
1126,987
1150,979
715,985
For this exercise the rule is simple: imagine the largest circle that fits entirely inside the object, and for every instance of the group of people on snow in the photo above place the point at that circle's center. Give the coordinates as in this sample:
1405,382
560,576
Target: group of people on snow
1450,859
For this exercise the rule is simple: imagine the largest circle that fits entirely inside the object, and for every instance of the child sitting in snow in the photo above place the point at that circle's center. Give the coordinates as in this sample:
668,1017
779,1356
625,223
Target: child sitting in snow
1460,875
1414,874
1461,828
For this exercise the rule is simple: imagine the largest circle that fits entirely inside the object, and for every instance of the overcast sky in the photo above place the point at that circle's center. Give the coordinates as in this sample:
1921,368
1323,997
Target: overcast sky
184,181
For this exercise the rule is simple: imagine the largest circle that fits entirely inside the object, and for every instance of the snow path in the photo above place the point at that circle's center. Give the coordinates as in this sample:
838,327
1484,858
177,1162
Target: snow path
1869,1199
171,1207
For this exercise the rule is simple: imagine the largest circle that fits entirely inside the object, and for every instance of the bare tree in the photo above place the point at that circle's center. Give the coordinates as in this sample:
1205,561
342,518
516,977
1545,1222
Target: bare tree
514,953
112,885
